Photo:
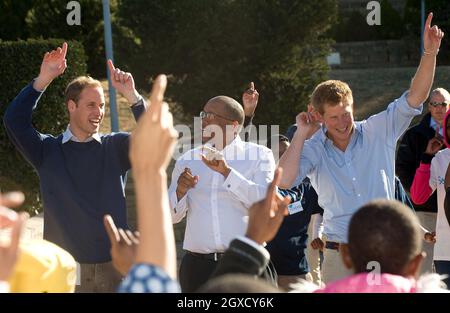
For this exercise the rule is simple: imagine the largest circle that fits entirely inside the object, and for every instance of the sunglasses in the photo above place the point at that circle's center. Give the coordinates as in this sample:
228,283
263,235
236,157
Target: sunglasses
436,104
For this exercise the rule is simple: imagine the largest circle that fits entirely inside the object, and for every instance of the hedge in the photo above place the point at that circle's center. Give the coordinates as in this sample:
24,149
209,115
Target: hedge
19,63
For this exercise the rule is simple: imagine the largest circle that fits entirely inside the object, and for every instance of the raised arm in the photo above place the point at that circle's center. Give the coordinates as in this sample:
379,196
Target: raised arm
423,80
17,118
307,125
53,65
155,128
123,82
250,102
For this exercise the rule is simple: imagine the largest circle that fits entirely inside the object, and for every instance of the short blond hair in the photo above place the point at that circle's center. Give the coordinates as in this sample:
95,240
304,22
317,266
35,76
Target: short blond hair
330,92
76,87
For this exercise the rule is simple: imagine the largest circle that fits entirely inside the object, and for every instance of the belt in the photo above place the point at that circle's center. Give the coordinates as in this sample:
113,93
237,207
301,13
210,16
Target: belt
332,245
208,256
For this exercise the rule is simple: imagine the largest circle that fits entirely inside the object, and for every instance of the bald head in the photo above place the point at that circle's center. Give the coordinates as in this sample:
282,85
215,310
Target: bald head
231,108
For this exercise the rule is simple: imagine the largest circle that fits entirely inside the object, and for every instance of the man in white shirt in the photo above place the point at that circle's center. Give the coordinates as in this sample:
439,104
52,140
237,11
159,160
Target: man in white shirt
214,185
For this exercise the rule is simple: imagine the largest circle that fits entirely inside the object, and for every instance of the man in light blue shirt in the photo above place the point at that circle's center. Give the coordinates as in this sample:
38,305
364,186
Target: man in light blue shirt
350,163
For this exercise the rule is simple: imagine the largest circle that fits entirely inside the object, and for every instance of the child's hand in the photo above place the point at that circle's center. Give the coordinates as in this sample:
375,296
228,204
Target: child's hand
430,237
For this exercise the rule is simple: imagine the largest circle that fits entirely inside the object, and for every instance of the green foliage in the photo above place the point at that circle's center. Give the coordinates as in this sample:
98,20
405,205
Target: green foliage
441,17
20,63
354,27
12,17
216,47
47,19
392,25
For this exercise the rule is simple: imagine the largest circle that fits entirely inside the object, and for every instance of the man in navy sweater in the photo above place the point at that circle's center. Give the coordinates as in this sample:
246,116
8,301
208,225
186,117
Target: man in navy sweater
82,173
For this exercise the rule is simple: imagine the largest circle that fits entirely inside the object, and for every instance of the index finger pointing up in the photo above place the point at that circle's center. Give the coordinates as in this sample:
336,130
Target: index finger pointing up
111,66
111,229
64,50
271,190
157,96
428,21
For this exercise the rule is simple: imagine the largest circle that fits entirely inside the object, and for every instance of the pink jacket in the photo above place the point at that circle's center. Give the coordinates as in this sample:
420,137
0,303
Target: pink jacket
420,188
371,283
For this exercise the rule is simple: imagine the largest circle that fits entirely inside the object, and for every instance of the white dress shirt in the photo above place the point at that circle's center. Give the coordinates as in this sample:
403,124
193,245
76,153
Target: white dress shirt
217,208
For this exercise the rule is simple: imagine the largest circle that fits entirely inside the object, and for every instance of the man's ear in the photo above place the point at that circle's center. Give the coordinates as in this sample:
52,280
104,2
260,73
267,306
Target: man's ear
412,269
71,105
345,255
315,113
318,116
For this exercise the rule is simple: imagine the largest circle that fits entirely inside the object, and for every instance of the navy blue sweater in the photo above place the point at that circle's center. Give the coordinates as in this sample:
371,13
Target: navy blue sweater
80,182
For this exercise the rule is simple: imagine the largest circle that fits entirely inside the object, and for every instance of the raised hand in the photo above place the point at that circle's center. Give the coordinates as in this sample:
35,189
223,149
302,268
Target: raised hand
123,245
185,182
432,37
307,124
430,237
9,200
266,216
53,65
215,161
123,82
9,219
153,140
433,146
250,99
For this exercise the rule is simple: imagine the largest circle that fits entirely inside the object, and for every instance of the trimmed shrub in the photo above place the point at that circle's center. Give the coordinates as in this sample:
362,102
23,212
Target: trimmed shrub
20,62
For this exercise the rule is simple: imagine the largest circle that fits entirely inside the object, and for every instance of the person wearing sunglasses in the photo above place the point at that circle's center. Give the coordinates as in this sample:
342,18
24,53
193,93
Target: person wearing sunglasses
412,151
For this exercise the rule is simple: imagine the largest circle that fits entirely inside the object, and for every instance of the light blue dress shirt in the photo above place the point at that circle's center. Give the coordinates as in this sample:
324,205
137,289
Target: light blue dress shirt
344,181
433,125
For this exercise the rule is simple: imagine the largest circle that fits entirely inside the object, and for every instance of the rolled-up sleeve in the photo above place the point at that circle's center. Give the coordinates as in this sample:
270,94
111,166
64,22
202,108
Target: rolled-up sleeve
394,121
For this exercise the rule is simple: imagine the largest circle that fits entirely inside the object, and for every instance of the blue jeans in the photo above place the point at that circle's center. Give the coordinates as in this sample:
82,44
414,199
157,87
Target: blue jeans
443,268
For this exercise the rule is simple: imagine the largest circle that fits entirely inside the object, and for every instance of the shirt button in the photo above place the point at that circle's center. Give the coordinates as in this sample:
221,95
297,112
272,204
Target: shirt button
359,195
353,178
228,185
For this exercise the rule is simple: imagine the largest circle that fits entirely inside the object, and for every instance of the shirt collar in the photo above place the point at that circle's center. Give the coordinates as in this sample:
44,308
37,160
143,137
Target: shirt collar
69,136
434,124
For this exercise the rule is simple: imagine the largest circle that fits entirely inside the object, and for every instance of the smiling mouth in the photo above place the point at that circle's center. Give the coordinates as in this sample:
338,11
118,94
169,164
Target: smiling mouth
95,122
342,130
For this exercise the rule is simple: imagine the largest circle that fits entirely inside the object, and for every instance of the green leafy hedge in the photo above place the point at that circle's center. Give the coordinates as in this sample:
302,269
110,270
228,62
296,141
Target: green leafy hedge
19,63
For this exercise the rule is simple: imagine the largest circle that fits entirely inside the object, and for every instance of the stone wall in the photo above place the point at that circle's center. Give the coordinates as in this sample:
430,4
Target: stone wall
386,53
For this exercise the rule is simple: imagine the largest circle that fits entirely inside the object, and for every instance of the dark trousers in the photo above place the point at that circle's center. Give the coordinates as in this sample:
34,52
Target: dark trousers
195,271
443,268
